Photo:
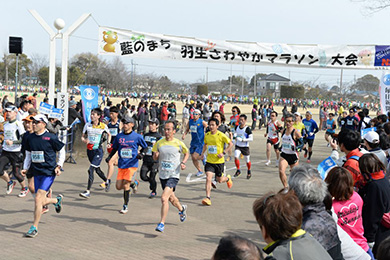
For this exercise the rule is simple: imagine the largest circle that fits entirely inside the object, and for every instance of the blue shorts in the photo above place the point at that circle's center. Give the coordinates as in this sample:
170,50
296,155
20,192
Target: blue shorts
198,148
95,157
43,182
171,183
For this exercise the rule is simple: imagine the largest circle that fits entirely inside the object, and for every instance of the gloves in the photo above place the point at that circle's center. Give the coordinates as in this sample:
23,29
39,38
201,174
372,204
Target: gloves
311,134
239,138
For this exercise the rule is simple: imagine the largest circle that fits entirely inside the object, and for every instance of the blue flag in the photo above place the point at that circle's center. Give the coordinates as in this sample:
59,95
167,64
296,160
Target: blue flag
90,100
325,166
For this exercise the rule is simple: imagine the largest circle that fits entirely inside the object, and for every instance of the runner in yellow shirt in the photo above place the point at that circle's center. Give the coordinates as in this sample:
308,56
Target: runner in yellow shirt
214,142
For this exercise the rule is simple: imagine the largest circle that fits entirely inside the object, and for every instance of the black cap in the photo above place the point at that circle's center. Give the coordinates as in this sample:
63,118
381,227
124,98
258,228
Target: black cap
154,120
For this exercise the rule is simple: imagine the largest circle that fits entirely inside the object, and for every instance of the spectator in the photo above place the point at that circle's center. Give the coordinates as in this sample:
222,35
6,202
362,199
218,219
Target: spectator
384,250
236,248
185,117
311,191
371,143
280,219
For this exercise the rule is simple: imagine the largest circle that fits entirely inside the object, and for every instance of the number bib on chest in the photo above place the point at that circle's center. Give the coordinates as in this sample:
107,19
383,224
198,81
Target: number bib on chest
8,134
113,131
126,153
37,157
212,149
167,166
193,129
149,151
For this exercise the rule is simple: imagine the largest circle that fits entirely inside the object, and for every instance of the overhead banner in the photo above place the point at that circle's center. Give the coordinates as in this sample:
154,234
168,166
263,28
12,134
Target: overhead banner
384,91
113,41
89,99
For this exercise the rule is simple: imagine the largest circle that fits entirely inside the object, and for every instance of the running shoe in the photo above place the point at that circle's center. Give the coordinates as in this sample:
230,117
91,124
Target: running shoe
23,192
183,213
206,202
124,210
277,163
160,227
248,175
237,174
58,205
267,163
305,154
85,194
32,232
107,184
214,184
10,186
45,209
102,185
229,182
308,161
198,174
134,186
152,195
228,158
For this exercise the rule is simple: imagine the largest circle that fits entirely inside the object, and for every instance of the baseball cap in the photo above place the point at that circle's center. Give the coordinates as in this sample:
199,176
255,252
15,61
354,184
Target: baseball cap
297,114
41,117
308,112
371,137
192,102
127,120
28,118
11,108
197,111
72,103
154,120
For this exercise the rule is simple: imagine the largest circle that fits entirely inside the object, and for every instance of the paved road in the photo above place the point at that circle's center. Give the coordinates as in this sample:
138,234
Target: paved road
93,228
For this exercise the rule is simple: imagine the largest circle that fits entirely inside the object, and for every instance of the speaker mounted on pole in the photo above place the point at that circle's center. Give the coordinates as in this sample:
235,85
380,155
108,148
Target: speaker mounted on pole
15,45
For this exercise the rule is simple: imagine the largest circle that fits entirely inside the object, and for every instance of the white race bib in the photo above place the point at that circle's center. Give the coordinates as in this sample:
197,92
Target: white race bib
113,131
149,151
37,157
286,146
212,149
8,134
193,129
126,153
349,122
167,166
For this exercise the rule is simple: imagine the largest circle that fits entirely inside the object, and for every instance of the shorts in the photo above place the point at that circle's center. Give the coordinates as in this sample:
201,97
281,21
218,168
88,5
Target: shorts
126,174
29,174
196,149
290,158
149,166
244,150
171,183
309,142
274,142
43,182
216,168
95,157
329,133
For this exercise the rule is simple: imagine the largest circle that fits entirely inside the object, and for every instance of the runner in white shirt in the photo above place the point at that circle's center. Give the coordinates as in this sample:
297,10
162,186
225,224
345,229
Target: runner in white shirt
272,134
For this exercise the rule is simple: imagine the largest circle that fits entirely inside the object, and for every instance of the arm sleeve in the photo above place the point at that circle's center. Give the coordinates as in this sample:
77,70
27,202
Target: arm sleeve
27,161
61,157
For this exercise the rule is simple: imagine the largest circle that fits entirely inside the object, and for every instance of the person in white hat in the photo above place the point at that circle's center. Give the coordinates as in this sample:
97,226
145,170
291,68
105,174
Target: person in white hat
371,143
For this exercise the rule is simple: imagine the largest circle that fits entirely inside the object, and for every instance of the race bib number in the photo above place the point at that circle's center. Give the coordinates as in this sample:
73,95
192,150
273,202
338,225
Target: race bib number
349,122
113,131
8,134
149,151
150,139
286,146
126,153
37,157
212,149
92,139
167,166
193,129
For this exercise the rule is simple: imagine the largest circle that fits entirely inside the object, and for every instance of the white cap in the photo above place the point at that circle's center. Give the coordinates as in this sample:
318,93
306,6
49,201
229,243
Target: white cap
297,114
372,137
41,117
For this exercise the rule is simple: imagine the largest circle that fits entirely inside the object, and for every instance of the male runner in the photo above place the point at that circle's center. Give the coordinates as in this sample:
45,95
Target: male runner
167,151
114,127
311,130
197,127
149,164
273,129
243,135
214,143
330,128
233,123
126,144
12,145
41,149
94,136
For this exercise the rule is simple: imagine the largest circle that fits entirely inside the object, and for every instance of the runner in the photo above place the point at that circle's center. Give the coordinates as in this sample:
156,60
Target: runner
13,133
214,143
330,128
311,130
273,129
150,165
292,143
243,135
234,122
41,149
114,126
167,151
197,127
94,135
126,144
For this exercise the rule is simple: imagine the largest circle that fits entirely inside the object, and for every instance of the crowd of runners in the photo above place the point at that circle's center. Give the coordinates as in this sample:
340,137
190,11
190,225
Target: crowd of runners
359,182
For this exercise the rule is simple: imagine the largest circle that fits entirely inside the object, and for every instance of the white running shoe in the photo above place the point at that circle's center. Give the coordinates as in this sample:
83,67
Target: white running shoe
277,163
268,163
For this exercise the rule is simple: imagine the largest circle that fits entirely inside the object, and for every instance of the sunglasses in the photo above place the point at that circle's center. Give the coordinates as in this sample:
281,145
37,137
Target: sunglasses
196,114
289,121
36,122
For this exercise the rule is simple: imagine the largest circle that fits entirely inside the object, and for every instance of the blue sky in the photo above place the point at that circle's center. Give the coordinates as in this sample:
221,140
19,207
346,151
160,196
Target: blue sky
279,21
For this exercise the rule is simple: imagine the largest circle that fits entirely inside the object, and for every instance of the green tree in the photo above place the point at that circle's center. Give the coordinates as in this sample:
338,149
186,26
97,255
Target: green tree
43,76
202,90
292,91
366,83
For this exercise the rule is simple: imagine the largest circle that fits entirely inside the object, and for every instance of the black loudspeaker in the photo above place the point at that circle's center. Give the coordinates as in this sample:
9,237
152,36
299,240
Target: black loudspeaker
16,45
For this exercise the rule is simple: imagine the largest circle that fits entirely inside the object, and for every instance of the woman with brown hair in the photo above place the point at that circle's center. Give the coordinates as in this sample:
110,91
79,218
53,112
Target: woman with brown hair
347,205
376,199
280,218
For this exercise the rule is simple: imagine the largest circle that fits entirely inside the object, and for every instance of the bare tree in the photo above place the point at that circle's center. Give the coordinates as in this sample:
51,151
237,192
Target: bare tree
373,6
38,62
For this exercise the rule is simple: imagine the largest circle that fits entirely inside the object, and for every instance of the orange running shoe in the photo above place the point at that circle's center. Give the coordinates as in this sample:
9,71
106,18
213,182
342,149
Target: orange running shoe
229,182
206,202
